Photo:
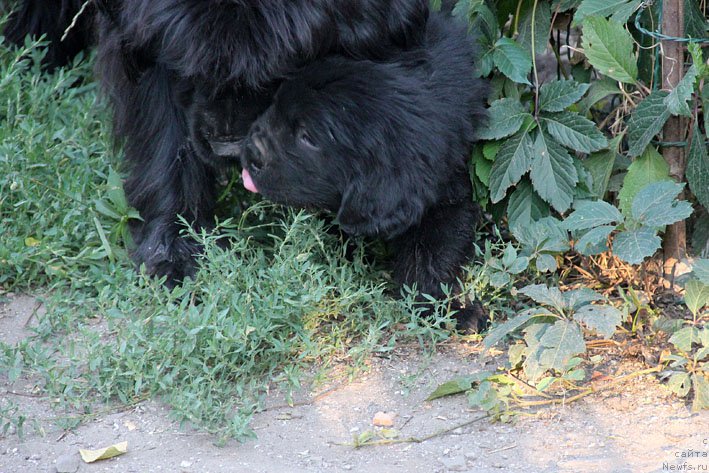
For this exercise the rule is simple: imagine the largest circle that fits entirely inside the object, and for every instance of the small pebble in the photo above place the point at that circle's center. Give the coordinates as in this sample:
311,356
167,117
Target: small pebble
67,463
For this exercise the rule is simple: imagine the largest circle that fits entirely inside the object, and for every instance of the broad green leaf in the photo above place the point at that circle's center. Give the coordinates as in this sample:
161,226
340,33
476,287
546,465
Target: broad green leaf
542,27
695,51
557,95
684,338
501,331
490,150
696,295
624,11
635,245
505,117
704,338
701,270
544,383
546,263
509,255
605,8
578,298
532,365
594,241
700,235
701,392
549,296
648,168
600,166
500,278
676,100
656,205
609,48
589,214
543,235
513,160
698,166
603,319
561,341
481,166
515,353
679,383
519,265
576,375
449,388
512,60
695,22
553,173
525,206
599,90
574,131
484,21
646,122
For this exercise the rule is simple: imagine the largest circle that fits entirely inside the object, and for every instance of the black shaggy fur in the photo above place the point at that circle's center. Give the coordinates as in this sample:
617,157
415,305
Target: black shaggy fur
384,145
175,68
51,18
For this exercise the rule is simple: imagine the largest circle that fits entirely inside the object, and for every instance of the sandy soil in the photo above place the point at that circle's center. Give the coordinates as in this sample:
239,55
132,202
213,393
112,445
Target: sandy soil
638,427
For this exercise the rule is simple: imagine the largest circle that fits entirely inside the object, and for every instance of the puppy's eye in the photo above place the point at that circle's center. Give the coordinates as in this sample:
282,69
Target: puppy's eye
305,139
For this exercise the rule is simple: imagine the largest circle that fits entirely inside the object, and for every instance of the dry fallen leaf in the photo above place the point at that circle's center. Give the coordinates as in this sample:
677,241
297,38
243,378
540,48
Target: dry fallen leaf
90,456
383,419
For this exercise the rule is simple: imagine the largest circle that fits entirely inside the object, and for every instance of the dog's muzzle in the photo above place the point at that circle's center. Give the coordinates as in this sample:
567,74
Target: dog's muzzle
227,148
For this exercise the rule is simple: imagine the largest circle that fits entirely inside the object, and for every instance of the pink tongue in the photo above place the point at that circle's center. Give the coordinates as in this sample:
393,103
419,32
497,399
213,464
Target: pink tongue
248,182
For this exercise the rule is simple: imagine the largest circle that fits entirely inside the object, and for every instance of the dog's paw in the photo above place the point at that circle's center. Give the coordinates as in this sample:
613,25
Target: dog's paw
473,318
172,258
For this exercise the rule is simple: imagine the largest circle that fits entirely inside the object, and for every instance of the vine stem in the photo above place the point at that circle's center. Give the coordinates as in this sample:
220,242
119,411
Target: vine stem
534,58
589,391
437,433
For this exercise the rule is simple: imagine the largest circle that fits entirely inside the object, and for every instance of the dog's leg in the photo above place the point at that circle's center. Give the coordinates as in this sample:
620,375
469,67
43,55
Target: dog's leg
166,178
434,252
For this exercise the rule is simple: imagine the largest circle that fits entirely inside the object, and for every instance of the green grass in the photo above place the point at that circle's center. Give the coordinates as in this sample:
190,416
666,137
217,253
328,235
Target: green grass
282,299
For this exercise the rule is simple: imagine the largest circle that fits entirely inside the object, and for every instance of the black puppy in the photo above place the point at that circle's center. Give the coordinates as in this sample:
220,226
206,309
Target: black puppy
385,145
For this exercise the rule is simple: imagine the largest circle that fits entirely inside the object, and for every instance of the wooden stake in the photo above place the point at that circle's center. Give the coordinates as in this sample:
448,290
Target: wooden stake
675,241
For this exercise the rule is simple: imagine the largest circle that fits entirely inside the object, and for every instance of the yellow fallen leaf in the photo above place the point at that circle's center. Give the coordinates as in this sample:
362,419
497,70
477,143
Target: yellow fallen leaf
90,456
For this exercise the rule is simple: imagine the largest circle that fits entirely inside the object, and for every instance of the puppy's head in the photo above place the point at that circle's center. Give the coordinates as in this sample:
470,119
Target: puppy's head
342,135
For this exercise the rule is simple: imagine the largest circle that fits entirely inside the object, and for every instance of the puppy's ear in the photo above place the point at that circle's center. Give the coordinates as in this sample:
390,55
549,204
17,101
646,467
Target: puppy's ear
383,206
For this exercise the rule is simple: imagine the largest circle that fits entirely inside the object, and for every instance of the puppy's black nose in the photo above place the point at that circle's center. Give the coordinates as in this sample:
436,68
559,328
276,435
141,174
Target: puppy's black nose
255,152
253,158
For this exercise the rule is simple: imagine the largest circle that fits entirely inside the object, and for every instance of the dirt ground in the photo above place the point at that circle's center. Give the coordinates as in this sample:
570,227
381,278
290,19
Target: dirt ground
638,427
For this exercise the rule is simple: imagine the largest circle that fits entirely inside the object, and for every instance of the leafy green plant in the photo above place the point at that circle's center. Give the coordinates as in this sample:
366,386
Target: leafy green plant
492,392
653,207
545,146
688,368
553,331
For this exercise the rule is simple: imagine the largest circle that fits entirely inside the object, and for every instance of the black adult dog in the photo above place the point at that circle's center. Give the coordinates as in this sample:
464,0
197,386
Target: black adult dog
385,146
186,77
